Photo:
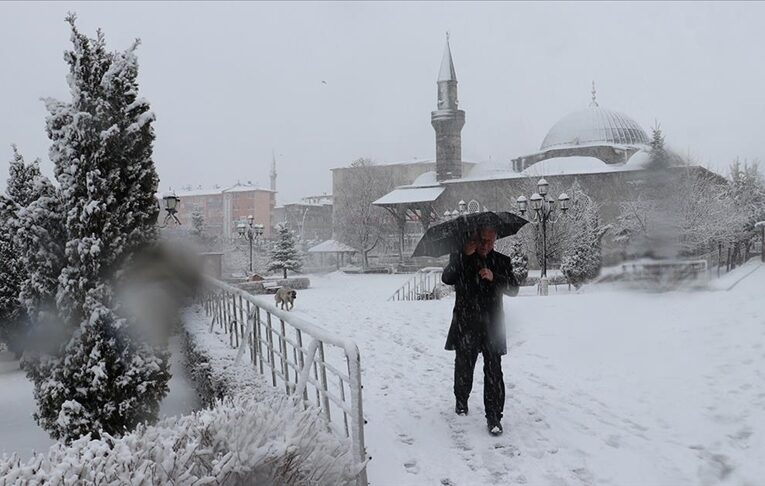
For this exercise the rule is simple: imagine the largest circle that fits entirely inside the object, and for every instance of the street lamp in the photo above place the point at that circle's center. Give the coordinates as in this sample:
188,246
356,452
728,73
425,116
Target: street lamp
251,232
543,209
171,208
462,208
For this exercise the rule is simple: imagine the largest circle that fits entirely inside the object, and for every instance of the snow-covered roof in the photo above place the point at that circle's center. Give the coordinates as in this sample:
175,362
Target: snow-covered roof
491,170
552,166
594,126
245,188
198,192
426,179
573,165
639,160
220,190
306,204
331,246
405,194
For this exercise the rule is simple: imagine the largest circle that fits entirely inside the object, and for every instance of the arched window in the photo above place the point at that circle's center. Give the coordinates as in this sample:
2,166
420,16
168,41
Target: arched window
474,207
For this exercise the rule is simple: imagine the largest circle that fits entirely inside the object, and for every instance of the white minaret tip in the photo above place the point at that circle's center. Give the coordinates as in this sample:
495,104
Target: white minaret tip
447,66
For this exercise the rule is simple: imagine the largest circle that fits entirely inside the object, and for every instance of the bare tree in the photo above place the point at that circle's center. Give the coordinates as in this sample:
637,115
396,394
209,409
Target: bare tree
689,218
359,223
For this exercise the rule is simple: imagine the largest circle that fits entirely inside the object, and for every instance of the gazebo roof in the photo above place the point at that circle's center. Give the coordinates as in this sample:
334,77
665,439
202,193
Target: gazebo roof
409,195
332,246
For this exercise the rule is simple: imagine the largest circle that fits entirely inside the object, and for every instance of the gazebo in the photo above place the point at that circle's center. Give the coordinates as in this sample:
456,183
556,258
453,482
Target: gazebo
332,246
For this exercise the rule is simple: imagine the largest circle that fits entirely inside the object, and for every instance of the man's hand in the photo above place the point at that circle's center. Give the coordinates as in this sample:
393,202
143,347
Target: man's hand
470,247
486,274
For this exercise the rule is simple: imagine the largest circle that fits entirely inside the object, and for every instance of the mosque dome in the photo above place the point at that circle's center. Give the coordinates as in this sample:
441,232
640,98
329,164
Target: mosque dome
594,126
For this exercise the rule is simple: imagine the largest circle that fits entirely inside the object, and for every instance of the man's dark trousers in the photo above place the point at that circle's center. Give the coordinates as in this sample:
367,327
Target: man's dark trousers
493,386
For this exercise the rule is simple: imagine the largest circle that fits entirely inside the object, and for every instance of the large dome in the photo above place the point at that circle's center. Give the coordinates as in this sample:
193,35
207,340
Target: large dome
594,126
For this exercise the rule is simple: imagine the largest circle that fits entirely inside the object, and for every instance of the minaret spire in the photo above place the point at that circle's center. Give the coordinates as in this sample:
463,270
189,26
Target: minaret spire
448,121
273,170
447,65
594,102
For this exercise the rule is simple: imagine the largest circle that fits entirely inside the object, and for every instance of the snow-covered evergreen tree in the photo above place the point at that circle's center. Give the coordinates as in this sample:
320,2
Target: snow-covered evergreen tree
11,310
197,224
38,239
104,379
581,261
20,192
659,157
519,260
285,254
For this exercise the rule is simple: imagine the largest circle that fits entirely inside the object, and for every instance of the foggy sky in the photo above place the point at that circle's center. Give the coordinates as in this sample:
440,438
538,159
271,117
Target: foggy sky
229,83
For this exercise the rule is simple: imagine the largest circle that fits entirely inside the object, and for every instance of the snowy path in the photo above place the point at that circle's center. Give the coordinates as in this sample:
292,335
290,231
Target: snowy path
602,388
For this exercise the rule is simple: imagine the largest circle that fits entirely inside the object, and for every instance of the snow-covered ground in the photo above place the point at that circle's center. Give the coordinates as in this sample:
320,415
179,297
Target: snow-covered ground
603,387
18,431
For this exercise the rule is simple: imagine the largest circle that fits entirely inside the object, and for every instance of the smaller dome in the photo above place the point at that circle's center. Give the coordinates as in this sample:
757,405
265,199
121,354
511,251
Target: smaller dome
639,160
426,179
594,126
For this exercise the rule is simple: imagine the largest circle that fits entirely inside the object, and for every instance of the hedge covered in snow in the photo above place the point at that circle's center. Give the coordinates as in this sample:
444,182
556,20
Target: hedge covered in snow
253,435
239,441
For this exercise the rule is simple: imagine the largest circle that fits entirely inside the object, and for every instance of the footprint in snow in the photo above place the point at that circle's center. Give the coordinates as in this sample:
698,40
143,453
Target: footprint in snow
412,467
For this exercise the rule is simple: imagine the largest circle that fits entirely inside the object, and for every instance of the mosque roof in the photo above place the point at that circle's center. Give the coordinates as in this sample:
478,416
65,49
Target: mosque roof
594,125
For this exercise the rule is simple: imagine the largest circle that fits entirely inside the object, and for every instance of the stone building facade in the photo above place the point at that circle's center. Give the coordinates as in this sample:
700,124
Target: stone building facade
310,217
224,208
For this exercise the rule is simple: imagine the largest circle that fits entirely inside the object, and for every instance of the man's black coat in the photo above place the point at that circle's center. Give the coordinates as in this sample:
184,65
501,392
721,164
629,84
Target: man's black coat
478,320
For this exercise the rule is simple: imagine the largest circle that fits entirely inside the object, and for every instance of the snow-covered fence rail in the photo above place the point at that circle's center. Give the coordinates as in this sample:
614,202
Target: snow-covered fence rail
666,273
422,286
295,354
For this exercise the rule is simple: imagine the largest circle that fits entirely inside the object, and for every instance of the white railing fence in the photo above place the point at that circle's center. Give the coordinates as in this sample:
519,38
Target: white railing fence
305,359
421,286
666,273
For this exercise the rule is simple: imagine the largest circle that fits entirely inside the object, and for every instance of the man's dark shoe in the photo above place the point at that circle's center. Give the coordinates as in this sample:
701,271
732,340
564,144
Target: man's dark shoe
495,427
461,409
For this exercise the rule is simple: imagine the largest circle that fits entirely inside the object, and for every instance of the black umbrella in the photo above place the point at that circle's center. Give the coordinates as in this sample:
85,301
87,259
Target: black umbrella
450,236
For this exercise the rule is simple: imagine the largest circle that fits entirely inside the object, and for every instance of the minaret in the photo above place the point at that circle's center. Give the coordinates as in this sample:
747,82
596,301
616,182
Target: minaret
273,171
448,121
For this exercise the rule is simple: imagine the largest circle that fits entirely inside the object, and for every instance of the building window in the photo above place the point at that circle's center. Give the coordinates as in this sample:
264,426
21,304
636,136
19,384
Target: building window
474,207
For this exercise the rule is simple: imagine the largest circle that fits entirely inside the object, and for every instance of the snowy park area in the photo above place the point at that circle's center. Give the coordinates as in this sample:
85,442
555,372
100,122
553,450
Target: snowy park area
603,386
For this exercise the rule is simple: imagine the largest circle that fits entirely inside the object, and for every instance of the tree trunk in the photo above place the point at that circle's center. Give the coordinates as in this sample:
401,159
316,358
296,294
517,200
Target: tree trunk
285,272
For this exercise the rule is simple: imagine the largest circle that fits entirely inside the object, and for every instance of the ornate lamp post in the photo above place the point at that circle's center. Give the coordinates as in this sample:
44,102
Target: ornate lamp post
461,209
251,232
542,212
171,208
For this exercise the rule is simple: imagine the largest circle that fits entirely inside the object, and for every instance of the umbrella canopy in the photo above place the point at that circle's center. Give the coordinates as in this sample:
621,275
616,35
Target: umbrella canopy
450,236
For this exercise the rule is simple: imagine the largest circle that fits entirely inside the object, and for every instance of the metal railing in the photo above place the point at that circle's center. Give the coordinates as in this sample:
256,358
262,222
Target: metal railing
666,273
305,359
421,286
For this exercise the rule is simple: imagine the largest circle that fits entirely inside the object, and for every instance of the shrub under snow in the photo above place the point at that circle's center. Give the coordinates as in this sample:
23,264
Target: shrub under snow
255,435
240,441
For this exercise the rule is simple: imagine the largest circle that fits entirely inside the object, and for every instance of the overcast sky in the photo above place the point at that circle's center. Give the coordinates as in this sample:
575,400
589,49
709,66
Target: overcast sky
229,83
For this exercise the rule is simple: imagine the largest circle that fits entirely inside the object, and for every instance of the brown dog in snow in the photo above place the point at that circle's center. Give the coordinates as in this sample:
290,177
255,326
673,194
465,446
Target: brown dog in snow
285,296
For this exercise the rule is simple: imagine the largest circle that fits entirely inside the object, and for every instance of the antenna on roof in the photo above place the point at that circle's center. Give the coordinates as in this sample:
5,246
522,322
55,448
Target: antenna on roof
594,101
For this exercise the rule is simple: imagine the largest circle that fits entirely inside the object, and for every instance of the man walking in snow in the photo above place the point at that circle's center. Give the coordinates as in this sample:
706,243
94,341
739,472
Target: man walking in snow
480,276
